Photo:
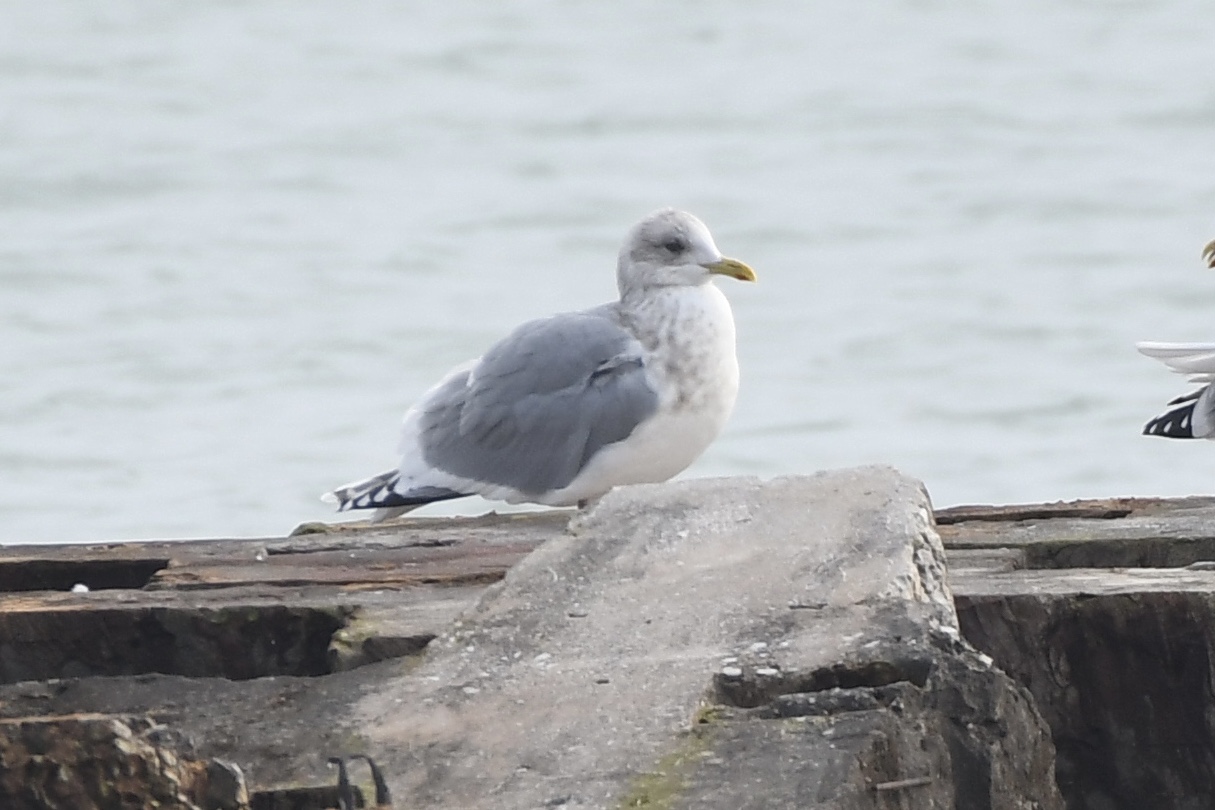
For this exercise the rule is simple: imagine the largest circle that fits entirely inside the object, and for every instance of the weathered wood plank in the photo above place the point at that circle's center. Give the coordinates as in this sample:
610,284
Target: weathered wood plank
409,565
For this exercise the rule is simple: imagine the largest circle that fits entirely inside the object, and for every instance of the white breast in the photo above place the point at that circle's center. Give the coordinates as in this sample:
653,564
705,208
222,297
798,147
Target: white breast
691,361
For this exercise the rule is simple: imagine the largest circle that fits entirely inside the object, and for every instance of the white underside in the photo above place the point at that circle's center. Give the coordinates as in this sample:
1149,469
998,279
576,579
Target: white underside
660,448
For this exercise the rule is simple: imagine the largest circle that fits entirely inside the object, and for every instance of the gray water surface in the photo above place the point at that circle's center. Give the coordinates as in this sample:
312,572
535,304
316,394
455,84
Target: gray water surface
238,239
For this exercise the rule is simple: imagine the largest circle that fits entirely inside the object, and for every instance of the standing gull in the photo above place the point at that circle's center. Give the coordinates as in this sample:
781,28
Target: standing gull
566,407
1191,416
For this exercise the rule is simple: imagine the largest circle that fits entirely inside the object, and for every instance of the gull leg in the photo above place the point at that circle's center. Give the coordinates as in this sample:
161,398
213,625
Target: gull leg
383,799
345,793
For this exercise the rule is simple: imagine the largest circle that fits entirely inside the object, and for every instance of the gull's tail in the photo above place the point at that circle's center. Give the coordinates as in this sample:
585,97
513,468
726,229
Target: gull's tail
379,493
1191,416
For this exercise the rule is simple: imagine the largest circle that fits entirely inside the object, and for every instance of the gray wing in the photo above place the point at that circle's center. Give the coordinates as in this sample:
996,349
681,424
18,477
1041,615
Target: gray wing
539,404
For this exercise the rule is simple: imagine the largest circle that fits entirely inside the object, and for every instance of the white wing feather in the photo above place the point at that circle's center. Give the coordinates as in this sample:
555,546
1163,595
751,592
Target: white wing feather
1195,359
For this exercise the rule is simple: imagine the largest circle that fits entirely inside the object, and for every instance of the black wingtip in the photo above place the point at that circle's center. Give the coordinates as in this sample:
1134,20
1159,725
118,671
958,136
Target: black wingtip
379,492
1176,423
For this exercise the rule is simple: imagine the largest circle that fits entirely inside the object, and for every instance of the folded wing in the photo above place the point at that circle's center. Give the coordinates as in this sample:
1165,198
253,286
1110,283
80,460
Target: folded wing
531,413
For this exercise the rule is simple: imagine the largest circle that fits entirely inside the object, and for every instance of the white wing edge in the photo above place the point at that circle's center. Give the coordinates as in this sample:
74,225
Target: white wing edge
1184,358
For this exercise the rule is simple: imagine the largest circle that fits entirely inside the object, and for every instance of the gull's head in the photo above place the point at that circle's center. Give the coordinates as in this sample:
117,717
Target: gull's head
672,248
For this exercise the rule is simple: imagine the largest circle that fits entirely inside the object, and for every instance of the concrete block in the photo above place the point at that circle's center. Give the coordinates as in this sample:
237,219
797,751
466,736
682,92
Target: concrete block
718,643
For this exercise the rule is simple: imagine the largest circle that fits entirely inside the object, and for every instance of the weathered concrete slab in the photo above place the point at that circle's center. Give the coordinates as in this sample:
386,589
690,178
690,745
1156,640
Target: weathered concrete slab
692,642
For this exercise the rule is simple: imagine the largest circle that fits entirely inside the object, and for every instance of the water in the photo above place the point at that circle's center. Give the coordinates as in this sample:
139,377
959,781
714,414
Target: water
237,239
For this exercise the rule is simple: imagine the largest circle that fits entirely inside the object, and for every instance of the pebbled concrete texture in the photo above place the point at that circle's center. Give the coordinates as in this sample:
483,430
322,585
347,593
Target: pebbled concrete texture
718,643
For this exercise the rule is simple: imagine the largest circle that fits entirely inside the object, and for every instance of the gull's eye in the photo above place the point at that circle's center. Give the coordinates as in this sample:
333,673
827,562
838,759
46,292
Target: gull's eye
675,245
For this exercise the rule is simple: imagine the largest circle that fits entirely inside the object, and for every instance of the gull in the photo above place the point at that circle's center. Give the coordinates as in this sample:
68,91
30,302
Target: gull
566,407
1191,416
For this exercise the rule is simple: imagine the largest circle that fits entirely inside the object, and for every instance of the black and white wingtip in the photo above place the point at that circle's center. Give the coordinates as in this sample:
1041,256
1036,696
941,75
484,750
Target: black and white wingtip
372,493
1178,421
379,492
